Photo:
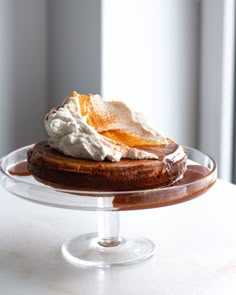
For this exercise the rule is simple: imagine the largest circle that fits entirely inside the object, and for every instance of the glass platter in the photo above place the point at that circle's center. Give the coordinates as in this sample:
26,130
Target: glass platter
107,248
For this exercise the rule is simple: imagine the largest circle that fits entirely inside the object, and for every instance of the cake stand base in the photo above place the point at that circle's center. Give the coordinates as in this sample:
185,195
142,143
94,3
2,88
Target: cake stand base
86,250
107,247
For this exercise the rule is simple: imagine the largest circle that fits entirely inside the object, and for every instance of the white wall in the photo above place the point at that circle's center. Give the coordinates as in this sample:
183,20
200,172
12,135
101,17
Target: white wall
217,82
74,48
150,60
48,48
23,72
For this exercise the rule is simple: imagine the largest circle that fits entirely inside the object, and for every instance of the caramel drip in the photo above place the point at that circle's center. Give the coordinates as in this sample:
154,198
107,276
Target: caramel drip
20,169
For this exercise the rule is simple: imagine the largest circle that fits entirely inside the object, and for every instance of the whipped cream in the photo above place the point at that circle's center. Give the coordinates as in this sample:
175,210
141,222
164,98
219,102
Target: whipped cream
88,127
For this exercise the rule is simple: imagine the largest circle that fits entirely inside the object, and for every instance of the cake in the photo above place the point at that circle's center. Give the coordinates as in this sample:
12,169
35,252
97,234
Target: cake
95,144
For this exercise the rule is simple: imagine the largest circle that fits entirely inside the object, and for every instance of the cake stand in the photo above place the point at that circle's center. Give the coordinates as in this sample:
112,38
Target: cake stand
107,247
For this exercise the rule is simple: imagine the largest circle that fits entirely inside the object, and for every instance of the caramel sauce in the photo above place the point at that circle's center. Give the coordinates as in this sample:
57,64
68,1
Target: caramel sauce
20,169
153,199
193,173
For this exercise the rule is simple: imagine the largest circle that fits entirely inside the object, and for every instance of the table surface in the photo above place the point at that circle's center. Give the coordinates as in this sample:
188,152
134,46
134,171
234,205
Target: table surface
196,248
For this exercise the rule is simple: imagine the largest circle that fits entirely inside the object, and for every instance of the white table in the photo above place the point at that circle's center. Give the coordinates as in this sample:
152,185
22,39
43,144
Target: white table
196,249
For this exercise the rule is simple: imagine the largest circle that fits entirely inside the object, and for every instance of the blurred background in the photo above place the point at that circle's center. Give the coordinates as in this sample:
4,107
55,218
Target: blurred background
173,60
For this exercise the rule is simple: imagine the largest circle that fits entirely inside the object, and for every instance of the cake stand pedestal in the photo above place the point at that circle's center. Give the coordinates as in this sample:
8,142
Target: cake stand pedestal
107,248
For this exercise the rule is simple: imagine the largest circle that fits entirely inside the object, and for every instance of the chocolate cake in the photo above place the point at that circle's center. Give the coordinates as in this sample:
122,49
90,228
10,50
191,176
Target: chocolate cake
54,168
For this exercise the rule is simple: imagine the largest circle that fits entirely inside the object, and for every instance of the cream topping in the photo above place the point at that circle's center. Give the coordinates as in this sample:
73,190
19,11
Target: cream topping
89,127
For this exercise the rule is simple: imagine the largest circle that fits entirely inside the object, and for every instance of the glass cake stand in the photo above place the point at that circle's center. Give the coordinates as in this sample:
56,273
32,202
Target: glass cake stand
107,247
